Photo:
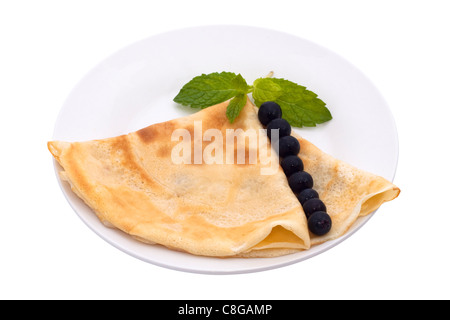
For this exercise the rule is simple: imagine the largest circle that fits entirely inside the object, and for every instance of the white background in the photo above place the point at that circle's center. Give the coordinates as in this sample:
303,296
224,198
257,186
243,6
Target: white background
46,251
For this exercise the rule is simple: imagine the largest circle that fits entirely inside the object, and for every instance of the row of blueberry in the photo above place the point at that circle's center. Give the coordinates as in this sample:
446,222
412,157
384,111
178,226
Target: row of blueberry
300,182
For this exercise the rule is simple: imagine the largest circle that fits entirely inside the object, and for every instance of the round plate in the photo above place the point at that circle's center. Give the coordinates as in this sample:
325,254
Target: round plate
135,87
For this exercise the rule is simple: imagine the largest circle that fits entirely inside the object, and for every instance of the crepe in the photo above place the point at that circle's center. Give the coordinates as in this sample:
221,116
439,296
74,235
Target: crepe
206,203
132,183
348,192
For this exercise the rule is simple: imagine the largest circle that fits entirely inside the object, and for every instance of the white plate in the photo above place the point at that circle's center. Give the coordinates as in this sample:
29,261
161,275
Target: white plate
135,87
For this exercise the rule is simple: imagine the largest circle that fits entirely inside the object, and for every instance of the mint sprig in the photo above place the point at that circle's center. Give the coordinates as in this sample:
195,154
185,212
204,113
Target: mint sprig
300,107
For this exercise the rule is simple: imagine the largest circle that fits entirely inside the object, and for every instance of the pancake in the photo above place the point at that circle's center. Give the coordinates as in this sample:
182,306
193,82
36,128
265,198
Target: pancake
132,183
348,192
187,196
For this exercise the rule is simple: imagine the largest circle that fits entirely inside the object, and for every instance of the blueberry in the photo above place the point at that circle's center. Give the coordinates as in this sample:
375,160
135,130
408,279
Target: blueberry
313,205
300,181
291,164
279,124
288,146
319,223
306,195
268,111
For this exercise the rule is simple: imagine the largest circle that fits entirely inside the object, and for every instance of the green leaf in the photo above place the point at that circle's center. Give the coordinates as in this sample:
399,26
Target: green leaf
235,106
265,89
210,89
240,84
300,107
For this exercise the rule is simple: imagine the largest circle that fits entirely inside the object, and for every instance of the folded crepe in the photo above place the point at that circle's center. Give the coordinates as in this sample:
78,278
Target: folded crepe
206,206
347,192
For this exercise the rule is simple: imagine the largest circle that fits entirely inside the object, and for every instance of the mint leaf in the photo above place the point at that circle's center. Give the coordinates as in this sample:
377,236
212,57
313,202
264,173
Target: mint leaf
235,106
300,107
240,84
264,89
209,89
